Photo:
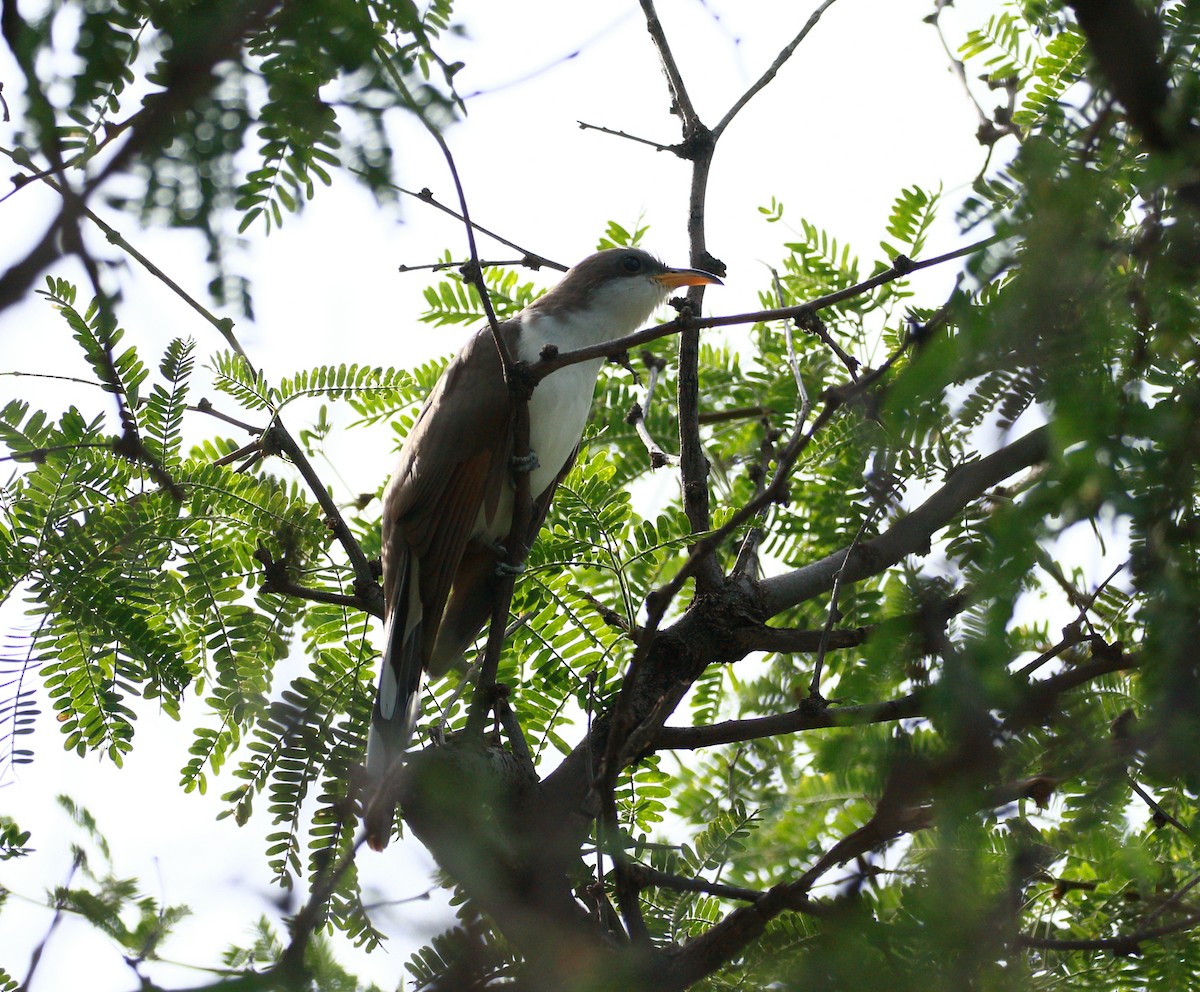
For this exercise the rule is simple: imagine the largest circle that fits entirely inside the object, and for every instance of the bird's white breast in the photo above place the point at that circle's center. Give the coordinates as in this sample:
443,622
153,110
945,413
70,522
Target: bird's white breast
559,407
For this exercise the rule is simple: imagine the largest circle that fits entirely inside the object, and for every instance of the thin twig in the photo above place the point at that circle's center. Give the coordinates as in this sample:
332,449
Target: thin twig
738,413
657,146
774,67
636,417
792,360
1175,899
646,877
530,259
35,957
834,615
1123,944
447,266
472,273
1159,812
38,455
364,577
956,64
543,367
679,94
204,406
608,614
49,377
277,580
254,447
1072,633
804,717
304,923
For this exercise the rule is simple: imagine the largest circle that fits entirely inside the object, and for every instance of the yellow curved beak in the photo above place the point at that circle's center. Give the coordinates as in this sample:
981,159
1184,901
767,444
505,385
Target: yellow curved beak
673,278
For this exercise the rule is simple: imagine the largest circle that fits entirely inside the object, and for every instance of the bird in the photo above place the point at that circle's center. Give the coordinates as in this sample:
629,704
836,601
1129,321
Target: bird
450,500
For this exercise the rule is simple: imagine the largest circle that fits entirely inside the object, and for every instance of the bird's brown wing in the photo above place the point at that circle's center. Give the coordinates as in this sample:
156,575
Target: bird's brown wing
452,458
477,584
433,501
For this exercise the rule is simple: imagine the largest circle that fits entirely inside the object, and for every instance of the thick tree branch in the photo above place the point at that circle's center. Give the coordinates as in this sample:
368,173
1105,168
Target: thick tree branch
907,805
705,954
910,535
797,720
783,640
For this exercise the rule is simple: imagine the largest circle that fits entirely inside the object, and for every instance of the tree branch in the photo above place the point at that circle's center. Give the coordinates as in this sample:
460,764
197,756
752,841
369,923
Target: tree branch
910,535
798,720
763,80
528,258
543,367
646,877
783,640
1122,944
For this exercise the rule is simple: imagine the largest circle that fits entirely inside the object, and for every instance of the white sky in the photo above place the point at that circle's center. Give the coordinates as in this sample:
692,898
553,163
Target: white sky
866,107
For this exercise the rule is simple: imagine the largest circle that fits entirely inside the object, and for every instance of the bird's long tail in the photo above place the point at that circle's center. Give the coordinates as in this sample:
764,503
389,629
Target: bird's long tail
397,705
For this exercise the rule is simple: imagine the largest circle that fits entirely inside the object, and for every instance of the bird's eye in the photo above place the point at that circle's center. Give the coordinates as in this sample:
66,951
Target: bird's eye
631,264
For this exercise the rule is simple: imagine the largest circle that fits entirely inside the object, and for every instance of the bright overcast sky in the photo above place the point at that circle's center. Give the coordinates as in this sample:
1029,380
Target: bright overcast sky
867,106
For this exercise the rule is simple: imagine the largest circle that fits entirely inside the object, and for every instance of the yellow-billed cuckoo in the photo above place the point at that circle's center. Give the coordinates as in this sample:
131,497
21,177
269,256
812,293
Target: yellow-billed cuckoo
451,498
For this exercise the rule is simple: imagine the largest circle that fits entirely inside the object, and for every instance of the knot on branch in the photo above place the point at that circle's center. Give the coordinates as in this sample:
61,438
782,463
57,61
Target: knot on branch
621,358
682,306
271,442
813,704
698,143
710,263
276,576
369,591
471,272
131,447
522,379
652,361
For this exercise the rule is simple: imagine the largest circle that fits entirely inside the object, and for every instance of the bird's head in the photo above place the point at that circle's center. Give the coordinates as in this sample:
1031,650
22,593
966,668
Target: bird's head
621,286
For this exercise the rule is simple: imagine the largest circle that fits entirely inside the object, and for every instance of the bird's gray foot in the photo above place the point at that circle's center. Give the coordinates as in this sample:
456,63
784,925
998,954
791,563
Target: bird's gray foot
525,463
504,569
